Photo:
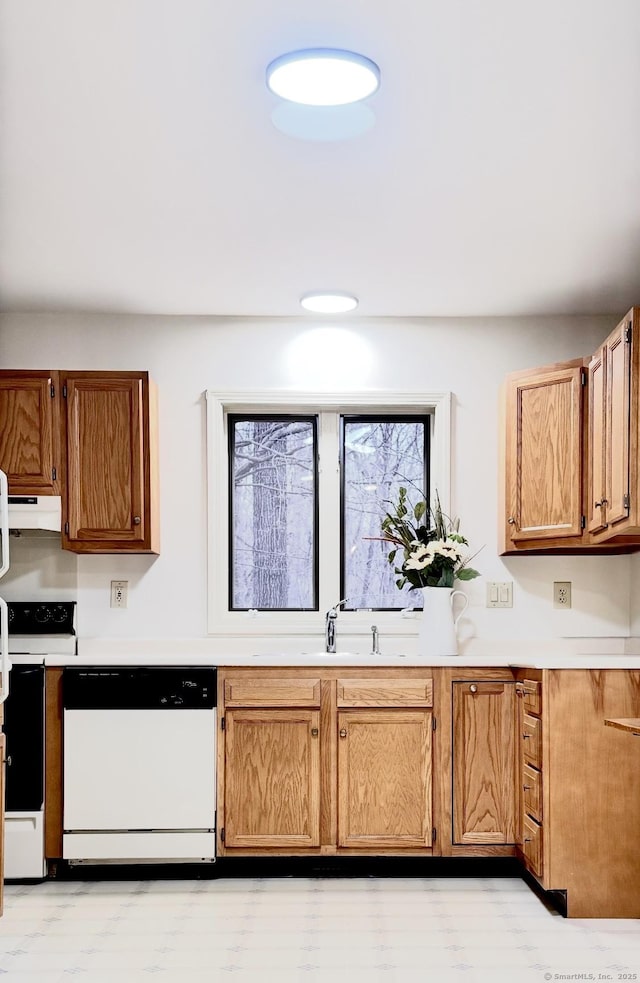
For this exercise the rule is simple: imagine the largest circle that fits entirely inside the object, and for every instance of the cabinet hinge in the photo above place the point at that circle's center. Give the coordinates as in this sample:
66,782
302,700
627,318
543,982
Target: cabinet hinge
64,392
626,502
222,723
583,377
433,723
54,474
222,835
52,390
627,334
583,522
433,835
66,528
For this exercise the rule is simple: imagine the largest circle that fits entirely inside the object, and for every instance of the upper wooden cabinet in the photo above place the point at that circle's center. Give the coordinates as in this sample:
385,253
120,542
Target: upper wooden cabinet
571,442
111,503
542,486
614,475
90,437
30,432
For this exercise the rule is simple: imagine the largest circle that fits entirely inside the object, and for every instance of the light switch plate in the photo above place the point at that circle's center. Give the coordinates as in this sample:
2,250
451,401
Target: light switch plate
500,594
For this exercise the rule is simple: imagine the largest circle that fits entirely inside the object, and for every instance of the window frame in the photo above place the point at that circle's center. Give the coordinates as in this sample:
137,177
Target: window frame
328,407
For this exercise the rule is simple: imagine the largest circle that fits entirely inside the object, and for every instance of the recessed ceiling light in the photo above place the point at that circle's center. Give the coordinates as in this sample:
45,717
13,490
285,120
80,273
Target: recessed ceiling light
327,303
323,77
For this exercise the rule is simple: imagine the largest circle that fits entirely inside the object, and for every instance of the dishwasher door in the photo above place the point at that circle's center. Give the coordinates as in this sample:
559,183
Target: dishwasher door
139,781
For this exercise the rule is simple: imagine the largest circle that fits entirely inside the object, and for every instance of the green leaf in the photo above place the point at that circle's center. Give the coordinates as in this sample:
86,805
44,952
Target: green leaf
419,510
467,573
392,556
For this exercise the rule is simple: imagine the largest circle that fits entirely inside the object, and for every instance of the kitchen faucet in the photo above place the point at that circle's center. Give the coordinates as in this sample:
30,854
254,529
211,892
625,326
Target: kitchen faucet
330,626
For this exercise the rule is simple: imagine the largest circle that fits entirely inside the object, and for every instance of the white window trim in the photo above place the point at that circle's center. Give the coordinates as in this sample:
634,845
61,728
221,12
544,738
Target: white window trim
221,621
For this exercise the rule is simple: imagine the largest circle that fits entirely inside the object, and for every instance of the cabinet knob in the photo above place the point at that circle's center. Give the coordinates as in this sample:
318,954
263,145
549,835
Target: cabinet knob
527,839
343,733
526,787
511,521
8,760
473,688
599,505
314,731
137,520
526,737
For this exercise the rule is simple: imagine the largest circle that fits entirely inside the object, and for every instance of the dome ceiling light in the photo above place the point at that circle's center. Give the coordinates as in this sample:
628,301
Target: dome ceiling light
329,303
323,77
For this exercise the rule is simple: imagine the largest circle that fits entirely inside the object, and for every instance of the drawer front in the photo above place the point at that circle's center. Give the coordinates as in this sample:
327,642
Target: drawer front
532,740
532,792
532,844
278,691
532,696
385,692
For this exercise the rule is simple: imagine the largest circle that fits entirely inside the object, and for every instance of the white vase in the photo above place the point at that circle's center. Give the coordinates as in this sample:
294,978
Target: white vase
437,634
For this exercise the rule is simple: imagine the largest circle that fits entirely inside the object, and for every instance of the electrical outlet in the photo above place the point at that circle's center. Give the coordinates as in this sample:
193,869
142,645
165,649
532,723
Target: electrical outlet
119,593
562,594
500,594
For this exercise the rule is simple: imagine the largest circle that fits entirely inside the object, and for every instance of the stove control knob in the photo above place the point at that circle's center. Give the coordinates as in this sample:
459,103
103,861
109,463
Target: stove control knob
59,613
42,613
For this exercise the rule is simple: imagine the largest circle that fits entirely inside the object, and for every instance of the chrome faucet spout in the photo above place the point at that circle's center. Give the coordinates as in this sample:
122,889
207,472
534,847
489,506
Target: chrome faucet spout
330,626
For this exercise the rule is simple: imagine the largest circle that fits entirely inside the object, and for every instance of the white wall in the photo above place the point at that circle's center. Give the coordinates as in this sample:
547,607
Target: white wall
186,356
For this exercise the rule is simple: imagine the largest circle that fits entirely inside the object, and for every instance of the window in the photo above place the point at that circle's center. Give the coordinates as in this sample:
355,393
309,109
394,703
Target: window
291,500
274,518
379,455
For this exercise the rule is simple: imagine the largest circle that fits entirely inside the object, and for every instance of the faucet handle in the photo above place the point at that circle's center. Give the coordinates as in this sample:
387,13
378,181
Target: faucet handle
333,611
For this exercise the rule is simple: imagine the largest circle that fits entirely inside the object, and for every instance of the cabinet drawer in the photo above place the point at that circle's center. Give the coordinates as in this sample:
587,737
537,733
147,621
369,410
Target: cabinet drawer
532,740
385,692
532,844
532,696
532,789
279,691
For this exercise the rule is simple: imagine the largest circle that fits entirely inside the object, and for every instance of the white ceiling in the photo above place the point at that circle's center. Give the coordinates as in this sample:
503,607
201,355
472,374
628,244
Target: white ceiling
140,170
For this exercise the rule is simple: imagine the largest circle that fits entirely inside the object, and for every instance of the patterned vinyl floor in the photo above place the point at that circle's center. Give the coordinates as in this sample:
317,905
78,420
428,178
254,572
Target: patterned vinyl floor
313,930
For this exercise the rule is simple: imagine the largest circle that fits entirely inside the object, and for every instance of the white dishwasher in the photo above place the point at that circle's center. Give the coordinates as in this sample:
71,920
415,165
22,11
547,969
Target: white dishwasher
139,764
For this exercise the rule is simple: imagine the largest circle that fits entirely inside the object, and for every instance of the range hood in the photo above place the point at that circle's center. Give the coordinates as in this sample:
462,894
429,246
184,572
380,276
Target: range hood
42,512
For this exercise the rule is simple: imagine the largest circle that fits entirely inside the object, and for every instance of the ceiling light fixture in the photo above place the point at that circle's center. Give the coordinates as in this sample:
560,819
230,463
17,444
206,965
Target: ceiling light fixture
329,303
323,77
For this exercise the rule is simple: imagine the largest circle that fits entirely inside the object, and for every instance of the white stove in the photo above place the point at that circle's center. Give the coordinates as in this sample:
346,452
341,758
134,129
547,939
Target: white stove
36,630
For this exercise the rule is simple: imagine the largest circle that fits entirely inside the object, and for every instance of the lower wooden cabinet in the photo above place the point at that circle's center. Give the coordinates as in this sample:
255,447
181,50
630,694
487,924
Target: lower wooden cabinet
485,805
272,788
384,778
350,774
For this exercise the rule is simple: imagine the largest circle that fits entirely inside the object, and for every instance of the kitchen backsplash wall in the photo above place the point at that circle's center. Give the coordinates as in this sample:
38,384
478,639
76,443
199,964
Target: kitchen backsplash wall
186,356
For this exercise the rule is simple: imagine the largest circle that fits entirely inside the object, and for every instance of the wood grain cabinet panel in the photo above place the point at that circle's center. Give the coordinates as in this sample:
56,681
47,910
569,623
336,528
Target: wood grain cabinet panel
385,692
272,778
532,844
543,457
278,691
30,453
532,740
111,502
532,791
384,778
531,695
485,801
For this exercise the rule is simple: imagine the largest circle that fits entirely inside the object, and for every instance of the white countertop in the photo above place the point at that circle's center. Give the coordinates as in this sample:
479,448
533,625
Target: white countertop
591,653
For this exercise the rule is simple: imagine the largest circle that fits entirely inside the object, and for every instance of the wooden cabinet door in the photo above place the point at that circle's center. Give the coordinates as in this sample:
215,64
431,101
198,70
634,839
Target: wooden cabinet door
596,480
30,432
384,778
485,799
618,426
543,456
110,483
272,778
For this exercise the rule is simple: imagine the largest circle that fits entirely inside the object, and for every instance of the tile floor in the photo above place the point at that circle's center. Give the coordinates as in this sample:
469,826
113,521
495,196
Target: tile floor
314,930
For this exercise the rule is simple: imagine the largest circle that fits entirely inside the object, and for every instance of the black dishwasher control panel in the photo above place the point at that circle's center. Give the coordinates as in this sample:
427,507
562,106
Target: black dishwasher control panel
139,688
